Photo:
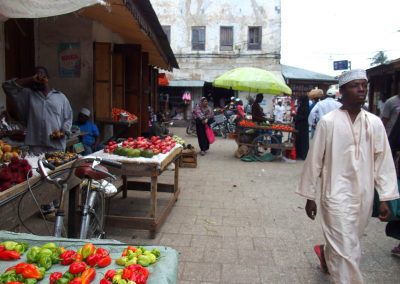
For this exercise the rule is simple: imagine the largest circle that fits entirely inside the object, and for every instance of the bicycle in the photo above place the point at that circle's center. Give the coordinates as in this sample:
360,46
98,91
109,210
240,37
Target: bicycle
191,127
93,205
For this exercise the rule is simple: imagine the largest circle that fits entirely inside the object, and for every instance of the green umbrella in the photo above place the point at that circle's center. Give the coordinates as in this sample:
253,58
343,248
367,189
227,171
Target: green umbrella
253,80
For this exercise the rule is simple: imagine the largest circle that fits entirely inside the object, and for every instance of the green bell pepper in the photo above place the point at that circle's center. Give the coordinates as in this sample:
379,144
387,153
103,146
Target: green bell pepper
45,262
32,255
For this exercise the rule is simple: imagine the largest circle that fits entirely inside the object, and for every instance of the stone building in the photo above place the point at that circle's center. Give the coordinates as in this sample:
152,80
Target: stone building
209,38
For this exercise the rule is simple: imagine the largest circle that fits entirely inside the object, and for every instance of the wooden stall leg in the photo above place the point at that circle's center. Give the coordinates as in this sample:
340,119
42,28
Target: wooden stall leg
124,187
153,197
73,221
176,178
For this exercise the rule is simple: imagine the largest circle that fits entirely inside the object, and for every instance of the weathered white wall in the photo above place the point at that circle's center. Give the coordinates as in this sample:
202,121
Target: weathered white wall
181,15
50,32
2,66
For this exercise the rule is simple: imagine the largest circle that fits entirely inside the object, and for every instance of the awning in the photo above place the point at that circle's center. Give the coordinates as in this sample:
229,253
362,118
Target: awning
42,8
162,79
137,23
186,83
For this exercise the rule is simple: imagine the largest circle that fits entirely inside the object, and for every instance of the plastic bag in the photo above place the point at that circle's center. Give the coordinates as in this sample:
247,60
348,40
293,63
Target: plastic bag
210,134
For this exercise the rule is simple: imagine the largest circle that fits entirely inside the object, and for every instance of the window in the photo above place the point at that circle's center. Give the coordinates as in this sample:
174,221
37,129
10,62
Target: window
198,38
254,41
226,38
167,31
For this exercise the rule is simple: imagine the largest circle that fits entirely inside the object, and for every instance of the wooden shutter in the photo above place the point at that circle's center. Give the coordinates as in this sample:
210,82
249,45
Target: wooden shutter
118,81
102,80
226,38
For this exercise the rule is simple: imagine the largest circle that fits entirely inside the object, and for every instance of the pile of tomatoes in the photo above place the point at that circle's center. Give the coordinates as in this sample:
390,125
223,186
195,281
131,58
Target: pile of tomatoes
156,144
247,123
281,127
116,113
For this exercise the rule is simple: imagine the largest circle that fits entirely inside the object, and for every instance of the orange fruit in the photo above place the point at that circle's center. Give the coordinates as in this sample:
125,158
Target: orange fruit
7,148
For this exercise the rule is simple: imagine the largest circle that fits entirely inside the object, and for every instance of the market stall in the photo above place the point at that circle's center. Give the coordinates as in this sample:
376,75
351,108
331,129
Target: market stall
161,269
151,167
264,142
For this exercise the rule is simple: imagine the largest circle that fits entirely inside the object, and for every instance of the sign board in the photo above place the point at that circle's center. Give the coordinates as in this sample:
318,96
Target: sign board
69,59
341,65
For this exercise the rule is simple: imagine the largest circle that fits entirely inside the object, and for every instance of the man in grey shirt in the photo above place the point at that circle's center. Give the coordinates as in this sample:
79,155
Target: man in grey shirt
390,112
46,112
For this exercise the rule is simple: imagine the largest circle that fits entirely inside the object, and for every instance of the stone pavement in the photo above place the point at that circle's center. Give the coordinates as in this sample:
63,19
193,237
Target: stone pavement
238,222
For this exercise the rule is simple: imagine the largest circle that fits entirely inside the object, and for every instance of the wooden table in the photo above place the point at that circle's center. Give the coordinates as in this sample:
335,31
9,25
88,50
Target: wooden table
135,167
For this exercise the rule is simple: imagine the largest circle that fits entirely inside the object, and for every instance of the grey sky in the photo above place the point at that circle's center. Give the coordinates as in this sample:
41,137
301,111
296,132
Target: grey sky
317,32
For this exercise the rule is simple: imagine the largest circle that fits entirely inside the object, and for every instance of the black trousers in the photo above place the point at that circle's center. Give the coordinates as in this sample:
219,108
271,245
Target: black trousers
201,136
393,229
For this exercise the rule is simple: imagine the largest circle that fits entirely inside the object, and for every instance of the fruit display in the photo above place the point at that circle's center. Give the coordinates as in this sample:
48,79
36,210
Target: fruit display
178,140
131,274
23,273
7,152
14,173
10,250
59,158
82,264
45,256
281,127
141,147
138,255
247,123
118,113
78,273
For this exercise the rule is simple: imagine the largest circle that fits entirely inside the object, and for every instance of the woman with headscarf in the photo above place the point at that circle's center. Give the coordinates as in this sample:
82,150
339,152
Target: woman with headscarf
301,125
203,115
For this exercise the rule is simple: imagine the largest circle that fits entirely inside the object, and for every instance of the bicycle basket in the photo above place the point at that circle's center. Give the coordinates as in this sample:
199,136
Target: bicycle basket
220,118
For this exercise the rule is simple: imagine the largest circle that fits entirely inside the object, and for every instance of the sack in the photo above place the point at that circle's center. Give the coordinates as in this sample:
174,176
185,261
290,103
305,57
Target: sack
394,206
210,134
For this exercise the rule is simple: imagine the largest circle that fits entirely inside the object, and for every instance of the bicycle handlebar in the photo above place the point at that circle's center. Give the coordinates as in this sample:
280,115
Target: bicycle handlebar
96,160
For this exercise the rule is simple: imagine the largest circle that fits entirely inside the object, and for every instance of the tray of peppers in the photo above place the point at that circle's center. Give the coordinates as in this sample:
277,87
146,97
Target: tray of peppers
82,264
10,250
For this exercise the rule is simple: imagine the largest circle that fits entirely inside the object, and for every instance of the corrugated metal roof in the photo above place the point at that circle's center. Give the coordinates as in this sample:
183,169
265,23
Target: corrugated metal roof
290,72
186,83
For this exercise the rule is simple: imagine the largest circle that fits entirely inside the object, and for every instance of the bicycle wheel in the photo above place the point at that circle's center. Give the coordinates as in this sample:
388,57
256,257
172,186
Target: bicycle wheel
92,225
266,143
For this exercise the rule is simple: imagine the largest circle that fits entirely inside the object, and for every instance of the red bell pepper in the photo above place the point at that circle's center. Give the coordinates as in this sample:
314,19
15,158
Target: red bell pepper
54,277
77,267
104,262
20,267
15,282
87,249
110,274
9,255
103,252
68,257
88,275
139,273
31,271
77,280
105,281
126,274
92,260
2,248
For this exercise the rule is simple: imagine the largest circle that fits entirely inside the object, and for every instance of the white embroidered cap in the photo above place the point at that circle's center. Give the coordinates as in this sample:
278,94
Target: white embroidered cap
356,74
85,111
331,92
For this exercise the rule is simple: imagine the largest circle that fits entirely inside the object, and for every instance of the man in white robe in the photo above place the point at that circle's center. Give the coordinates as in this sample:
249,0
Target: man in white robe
351,155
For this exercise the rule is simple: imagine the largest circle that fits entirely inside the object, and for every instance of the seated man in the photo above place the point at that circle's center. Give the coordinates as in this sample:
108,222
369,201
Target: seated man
91,139
257,112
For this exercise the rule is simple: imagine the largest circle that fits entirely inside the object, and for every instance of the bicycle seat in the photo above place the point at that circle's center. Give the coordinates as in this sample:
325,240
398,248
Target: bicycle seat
85,171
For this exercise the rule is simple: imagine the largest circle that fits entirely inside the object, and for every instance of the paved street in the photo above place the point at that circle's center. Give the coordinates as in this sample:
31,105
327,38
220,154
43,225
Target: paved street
238,222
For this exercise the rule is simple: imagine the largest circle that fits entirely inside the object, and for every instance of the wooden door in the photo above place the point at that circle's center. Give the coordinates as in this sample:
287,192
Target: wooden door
19,55
102,81
118,81
145,97
132,58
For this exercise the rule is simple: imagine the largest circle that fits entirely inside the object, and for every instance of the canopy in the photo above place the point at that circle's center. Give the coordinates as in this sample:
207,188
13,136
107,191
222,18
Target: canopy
42,8
252,79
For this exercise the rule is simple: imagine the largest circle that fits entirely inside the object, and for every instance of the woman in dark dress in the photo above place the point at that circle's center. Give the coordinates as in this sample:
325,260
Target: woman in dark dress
301,125
203,115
